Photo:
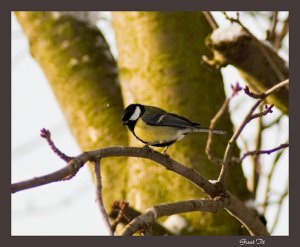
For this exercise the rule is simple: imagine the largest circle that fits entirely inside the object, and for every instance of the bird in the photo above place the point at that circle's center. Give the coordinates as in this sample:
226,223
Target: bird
156,127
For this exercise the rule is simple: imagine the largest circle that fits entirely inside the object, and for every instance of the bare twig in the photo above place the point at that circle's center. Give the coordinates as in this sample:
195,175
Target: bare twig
120,206
47,135
280,203
276,87
235,90
213,121
271,33
259,152
250,116
278,38
254,95
211,20
232,141
269,179
268,109
168,209
99,198
256,163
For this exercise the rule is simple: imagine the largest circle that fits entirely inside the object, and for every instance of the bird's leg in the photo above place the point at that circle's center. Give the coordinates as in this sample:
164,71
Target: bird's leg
165,150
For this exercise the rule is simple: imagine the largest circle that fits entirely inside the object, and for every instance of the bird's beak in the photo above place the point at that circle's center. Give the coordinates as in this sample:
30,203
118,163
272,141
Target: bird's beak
124,123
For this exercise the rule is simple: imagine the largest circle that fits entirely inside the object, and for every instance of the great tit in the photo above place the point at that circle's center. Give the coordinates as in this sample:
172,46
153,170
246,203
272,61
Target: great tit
156,127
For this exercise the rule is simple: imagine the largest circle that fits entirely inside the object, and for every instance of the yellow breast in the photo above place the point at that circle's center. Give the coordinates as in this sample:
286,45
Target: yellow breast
156,134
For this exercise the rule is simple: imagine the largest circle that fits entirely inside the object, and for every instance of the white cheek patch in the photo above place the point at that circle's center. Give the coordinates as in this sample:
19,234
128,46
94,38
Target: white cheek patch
136,114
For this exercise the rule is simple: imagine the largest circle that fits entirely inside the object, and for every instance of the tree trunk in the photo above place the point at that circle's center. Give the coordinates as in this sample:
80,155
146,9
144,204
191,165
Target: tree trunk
160,64
82,73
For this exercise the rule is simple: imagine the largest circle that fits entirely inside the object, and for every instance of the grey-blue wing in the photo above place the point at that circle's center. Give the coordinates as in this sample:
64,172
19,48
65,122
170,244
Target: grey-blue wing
168,119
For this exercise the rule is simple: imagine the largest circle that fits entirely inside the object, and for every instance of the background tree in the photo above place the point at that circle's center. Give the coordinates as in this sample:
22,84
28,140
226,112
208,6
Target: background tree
159,63
157,53
82,72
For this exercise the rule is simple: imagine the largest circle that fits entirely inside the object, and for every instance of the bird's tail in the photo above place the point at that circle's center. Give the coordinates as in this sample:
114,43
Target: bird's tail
204,129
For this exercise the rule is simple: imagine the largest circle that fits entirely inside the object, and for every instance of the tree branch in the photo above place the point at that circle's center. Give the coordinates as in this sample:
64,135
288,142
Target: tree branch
211,20
79,161
269,180
59,175
235,90
259,152
280,203
250,116
151,214
284,31
235,206
271,33
123,213
99,196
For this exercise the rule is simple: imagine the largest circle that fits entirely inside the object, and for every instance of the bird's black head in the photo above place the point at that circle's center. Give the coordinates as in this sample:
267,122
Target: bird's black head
132,113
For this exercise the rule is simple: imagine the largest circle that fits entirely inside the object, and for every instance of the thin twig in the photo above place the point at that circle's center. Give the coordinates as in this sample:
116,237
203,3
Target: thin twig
47,136
269,180
256,163
282,34
213,122
271,33
250,116
120,206
232,141
269,151
268,109
235,90
168,209
99,198
254,95
211,20
273,89
280,203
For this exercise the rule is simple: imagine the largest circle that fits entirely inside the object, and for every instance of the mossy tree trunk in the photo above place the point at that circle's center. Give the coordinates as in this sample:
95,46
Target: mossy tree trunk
160,64
82,73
